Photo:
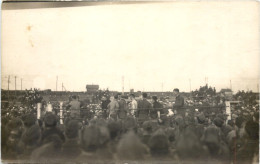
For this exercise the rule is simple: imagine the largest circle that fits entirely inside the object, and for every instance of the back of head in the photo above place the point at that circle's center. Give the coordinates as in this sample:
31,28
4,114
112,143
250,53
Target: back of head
158,143
32,135
114,128
129,123
189,147
147,126
218,122
50,120
72,128
252,129
132,95
201,118
74,97
154,98
211,135
130,147
29,120
94,137
15,123
144,95
176,90
239,121
226,129
222,116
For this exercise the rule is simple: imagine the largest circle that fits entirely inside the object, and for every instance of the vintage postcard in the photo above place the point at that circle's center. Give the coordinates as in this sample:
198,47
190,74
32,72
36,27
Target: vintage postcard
130,82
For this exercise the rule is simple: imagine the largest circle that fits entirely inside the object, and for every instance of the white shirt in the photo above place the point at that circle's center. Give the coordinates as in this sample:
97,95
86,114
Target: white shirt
134,104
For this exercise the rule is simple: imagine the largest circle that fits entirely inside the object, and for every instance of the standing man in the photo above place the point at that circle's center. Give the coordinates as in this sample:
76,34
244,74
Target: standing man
133,105
159,112
157,107
179,102
113,107
143,108
122,112
104,105
74,107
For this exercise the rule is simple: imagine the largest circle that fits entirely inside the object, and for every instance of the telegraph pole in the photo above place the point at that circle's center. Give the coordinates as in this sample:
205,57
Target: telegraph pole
15,86
123,85
57,83
230,85
21,84
8,86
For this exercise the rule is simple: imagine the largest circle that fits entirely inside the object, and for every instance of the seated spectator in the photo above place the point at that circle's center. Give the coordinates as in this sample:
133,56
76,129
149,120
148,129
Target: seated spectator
189,148
14,132
159,146
131,148
29,120
31,139
50,150
218,150
71,148
50,122
95,144
250,149
129,124
171,134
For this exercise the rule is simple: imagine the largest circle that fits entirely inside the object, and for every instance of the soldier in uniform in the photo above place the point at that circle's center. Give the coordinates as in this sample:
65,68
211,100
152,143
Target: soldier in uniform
179,103
156,108
113,107
74,108
143,108
104,105
122,112
133,108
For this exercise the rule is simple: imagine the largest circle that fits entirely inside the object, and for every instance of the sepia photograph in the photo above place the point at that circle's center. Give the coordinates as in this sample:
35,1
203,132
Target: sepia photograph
130,82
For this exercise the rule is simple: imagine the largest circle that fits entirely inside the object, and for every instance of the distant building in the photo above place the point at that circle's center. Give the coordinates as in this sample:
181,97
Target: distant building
227,93
47,91
92,88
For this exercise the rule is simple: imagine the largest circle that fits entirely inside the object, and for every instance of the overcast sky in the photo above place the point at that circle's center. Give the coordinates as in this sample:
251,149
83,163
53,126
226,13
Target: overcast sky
148,44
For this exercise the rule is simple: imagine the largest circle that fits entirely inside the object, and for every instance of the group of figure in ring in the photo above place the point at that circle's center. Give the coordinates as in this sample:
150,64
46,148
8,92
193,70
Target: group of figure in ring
141,109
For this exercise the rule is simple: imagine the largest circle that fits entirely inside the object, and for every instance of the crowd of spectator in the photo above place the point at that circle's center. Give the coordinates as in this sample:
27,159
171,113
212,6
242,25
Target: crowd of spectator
182,134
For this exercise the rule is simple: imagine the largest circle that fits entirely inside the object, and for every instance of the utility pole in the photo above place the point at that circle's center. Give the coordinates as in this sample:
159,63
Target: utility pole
57,83
21,84
15,86
123,85
8,86
61,86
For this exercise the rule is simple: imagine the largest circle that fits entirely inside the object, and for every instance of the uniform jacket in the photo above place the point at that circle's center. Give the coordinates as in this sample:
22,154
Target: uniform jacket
144,108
